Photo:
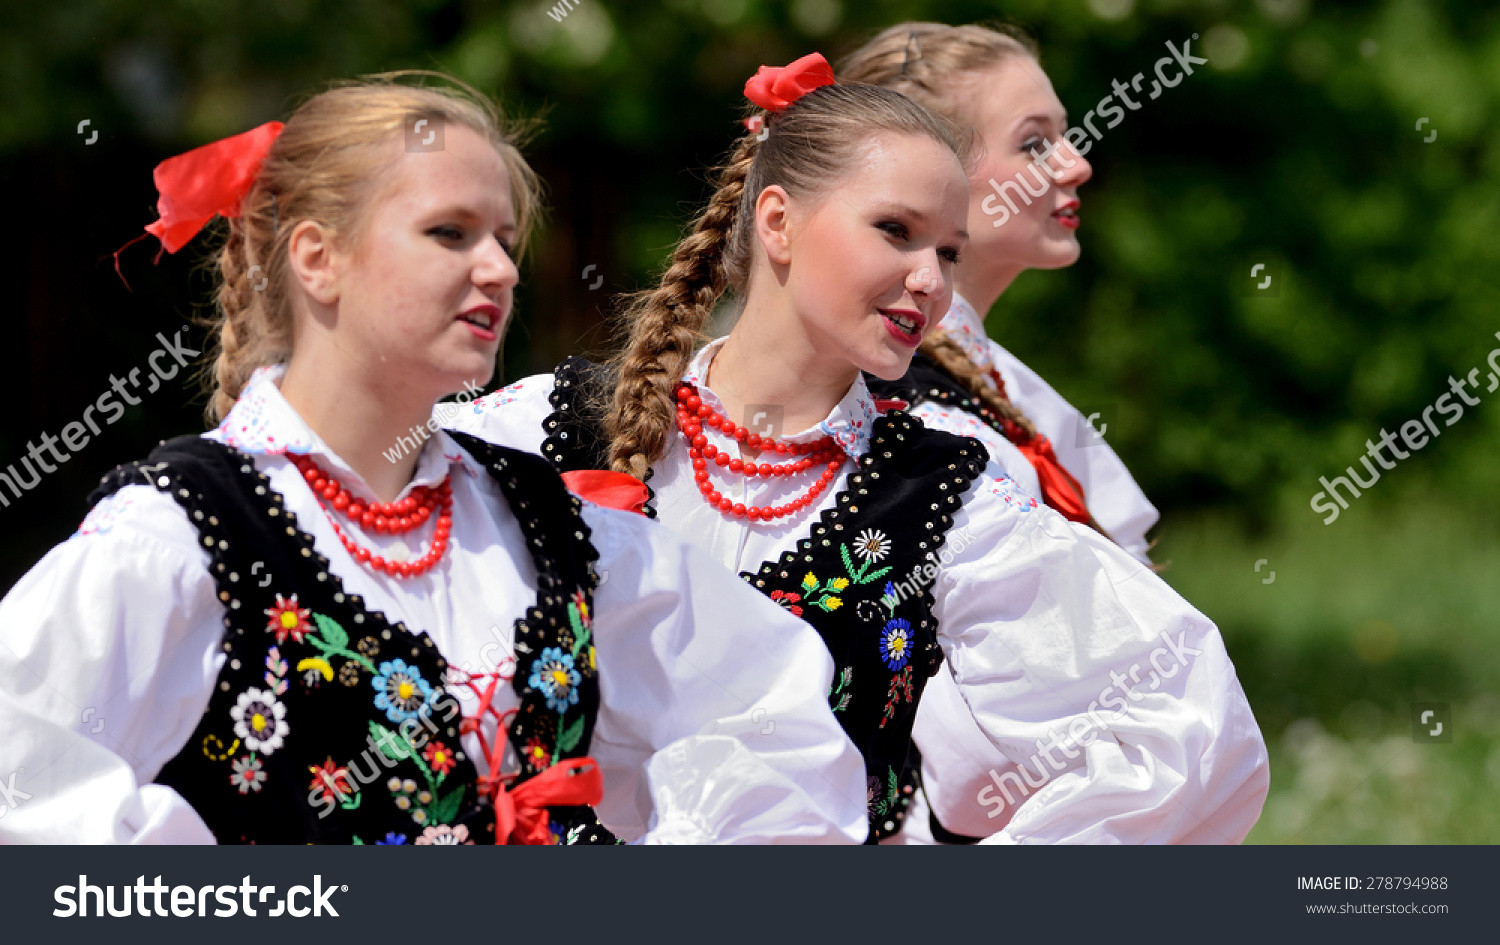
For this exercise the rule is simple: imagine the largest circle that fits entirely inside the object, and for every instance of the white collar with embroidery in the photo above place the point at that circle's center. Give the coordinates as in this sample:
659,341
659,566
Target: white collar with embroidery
965,326
849,423
262,422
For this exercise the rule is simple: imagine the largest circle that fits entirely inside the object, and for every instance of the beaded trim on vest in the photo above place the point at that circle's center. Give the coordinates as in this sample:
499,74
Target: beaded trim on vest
926,382
887,525
858,577
328,723
574,429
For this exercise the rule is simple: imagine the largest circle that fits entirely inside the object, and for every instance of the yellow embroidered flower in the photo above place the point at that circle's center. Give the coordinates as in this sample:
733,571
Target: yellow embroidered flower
839,584
810,582
833,603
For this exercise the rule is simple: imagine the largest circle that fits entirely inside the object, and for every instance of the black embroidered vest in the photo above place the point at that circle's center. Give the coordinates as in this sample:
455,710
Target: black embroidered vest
330,724
926,382
863,577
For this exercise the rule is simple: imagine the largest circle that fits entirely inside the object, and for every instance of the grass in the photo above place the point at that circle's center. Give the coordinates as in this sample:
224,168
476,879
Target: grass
1395,602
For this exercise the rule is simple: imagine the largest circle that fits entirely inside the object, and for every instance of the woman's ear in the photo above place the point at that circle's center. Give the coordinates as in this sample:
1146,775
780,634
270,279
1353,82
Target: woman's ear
315,263
772,224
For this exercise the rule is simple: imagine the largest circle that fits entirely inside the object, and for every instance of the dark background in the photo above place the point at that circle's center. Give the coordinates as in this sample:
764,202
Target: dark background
1297,146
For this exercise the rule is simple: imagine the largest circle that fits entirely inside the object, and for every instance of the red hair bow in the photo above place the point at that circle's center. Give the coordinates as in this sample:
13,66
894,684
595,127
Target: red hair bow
207,181
775,87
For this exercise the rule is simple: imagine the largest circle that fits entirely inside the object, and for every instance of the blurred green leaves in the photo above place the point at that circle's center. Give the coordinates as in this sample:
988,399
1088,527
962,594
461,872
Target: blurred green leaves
1297,146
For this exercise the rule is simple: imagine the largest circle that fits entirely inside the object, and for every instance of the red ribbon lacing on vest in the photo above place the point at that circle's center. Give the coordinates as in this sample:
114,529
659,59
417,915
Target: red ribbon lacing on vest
1060,490
521,815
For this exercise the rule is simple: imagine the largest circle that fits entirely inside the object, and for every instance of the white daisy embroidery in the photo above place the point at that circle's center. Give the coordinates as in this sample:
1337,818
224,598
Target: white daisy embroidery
872,545
260,720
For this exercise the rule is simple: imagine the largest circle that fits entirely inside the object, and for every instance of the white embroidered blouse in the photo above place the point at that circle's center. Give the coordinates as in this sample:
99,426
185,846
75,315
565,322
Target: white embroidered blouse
109,651
1117,503
1039,620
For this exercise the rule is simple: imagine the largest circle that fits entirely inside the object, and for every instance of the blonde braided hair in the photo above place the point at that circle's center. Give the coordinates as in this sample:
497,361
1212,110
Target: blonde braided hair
807,148
325,166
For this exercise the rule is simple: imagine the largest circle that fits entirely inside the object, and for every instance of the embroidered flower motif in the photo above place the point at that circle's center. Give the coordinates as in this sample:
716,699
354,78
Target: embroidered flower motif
895,643
1006,489
788,599
276,668
872,545
368,646
554,676
314,670
247,775
393,785
832,604
439,758
582,602
900,691
868,611
838,584
330,778
839,696
349,673
400,690
444,835
555,833
538,753
288,619
392,840
259,720
809,582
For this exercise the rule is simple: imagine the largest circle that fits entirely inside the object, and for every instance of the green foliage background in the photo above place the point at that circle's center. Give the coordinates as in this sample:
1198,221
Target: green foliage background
1297,146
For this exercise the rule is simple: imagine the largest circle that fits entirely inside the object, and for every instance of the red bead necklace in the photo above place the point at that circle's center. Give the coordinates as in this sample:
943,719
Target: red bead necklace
693,413
384,518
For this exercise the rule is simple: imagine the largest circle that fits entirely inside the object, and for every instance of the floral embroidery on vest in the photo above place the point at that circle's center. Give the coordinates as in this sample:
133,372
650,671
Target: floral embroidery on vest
285,757
897,504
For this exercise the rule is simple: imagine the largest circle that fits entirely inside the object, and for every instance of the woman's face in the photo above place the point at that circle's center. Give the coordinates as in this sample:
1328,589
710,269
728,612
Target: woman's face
1015,112
426,292
869,262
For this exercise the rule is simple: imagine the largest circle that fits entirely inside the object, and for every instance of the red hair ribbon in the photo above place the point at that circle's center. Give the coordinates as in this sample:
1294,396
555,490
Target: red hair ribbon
206,182
775,87
615,490
521,814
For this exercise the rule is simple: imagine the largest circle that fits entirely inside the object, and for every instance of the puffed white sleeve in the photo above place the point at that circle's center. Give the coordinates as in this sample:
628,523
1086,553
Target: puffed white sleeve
1112,697
108,656
714,724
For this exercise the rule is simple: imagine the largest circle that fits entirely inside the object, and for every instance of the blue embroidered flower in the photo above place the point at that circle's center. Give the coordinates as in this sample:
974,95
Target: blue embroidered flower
895,643
554,676
400,690
392,840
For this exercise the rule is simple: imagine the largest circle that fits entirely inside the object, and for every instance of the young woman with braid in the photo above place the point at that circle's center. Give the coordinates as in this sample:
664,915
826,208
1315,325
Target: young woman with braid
990,80
908,551
246,641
